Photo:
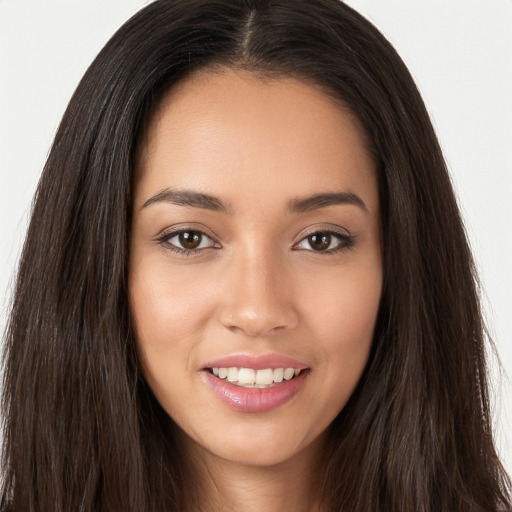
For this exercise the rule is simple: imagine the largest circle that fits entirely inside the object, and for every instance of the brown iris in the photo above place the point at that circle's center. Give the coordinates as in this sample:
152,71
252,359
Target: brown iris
190,239
320,241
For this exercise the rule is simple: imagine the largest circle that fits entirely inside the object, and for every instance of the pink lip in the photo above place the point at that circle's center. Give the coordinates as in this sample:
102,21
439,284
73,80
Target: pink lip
255,399
260,362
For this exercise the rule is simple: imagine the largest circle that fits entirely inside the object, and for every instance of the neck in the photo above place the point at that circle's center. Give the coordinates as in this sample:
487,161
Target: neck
292,484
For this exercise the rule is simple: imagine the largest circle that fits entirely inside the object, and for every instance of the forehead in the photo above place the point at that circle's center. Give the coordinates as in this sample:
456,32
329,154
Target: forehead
229,131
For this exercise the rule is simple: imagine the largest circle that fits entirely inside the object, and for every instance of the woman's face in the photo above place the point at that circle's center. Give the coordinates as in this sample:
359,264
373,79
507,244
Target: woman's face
255,257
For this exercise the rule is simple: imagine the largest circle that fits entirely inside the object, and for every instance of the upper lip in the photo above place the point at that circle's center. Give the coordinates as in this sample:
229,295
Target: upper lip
256,362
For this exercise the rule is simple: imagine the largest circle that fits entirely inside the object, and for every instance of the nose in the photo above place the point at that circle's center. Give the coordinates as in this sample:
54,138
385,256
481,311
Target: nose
258,298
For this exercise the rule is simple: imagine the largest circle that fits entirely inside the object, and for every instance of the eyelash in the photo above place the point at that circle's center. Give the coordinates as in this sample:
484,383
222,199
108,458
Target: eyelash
346,241
164,241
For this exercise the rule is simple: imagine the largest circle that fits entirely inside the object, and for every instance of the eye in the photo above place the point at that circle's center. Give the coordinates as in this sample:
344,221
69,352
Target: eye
326,242
186,241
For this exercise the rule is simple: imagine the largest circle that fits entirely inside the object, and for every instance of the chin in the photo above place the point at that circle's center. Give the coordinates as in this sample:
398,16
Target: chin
259,448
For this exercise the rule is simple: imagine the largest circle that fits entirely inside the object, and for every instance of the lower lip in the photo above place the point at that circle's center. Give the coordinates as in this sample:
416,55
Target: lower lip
255,399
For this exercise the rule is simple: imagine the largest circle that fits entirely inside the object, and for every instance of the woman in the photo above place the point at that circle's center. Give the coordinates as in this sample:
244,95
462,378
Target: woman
246,282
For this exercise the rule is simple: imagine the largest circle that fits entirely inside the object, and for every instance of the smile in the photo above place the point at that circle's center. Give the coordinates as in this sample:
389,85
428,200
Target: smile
255,390
251,378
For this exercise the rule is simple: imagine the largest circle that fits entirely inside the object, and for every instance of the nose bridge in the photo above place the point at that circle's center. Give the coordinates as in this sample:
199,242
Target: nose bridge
258,299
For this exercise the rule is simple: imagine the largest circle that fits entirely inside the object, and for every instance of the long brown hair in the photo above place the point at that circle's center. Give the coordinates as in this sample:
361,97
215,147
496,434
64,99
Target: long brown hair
83,432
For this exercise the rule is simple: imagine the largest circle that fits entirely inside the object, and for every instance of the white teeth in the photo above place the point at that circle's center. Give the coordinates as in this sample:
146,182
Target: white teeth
278,374
232,374
265,376
288,373
250,378
246,376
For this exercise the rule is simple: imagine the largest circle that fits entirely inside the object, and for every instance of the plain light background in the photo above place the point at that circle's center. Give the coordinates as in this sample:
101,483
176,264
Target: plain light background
459,51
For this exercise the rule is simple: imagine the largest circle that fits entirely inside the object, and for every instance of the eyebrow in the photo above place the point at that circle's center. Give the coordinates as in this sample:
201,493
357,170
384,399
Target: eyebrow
316,201
208,202
189,198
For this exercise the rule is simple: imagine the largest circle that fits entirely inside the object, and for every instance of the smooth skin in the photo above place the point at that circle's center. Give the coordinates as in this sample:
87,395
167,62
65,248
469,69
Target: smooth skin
255,275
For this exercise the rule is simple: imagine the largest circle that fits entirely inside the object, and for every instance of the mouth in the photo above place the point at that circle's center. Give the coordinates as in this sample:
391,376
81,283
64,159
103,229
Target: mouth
255,378
256,384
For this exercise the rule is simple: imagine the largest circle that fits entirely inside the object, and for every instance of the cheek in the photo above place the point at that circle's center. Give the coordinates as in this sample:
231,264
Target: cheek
163,302
168,316
345,302
343,317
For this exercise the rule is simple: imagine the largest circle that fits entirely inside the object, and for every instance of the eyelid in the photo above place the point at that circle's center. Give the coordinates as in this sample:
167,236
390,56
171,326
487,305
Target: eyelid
180,228
170,232
347,240
323,228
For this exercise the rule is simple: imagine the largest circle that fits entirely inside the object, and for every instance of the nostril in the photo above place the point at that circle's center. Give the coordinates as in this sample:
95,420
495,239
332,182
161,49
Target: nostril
251,323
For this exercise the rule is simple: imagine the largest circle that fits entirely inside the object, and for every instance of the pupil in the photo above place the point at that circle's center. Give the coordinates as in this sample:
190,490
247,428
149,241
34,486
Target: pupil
320,242
190,239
